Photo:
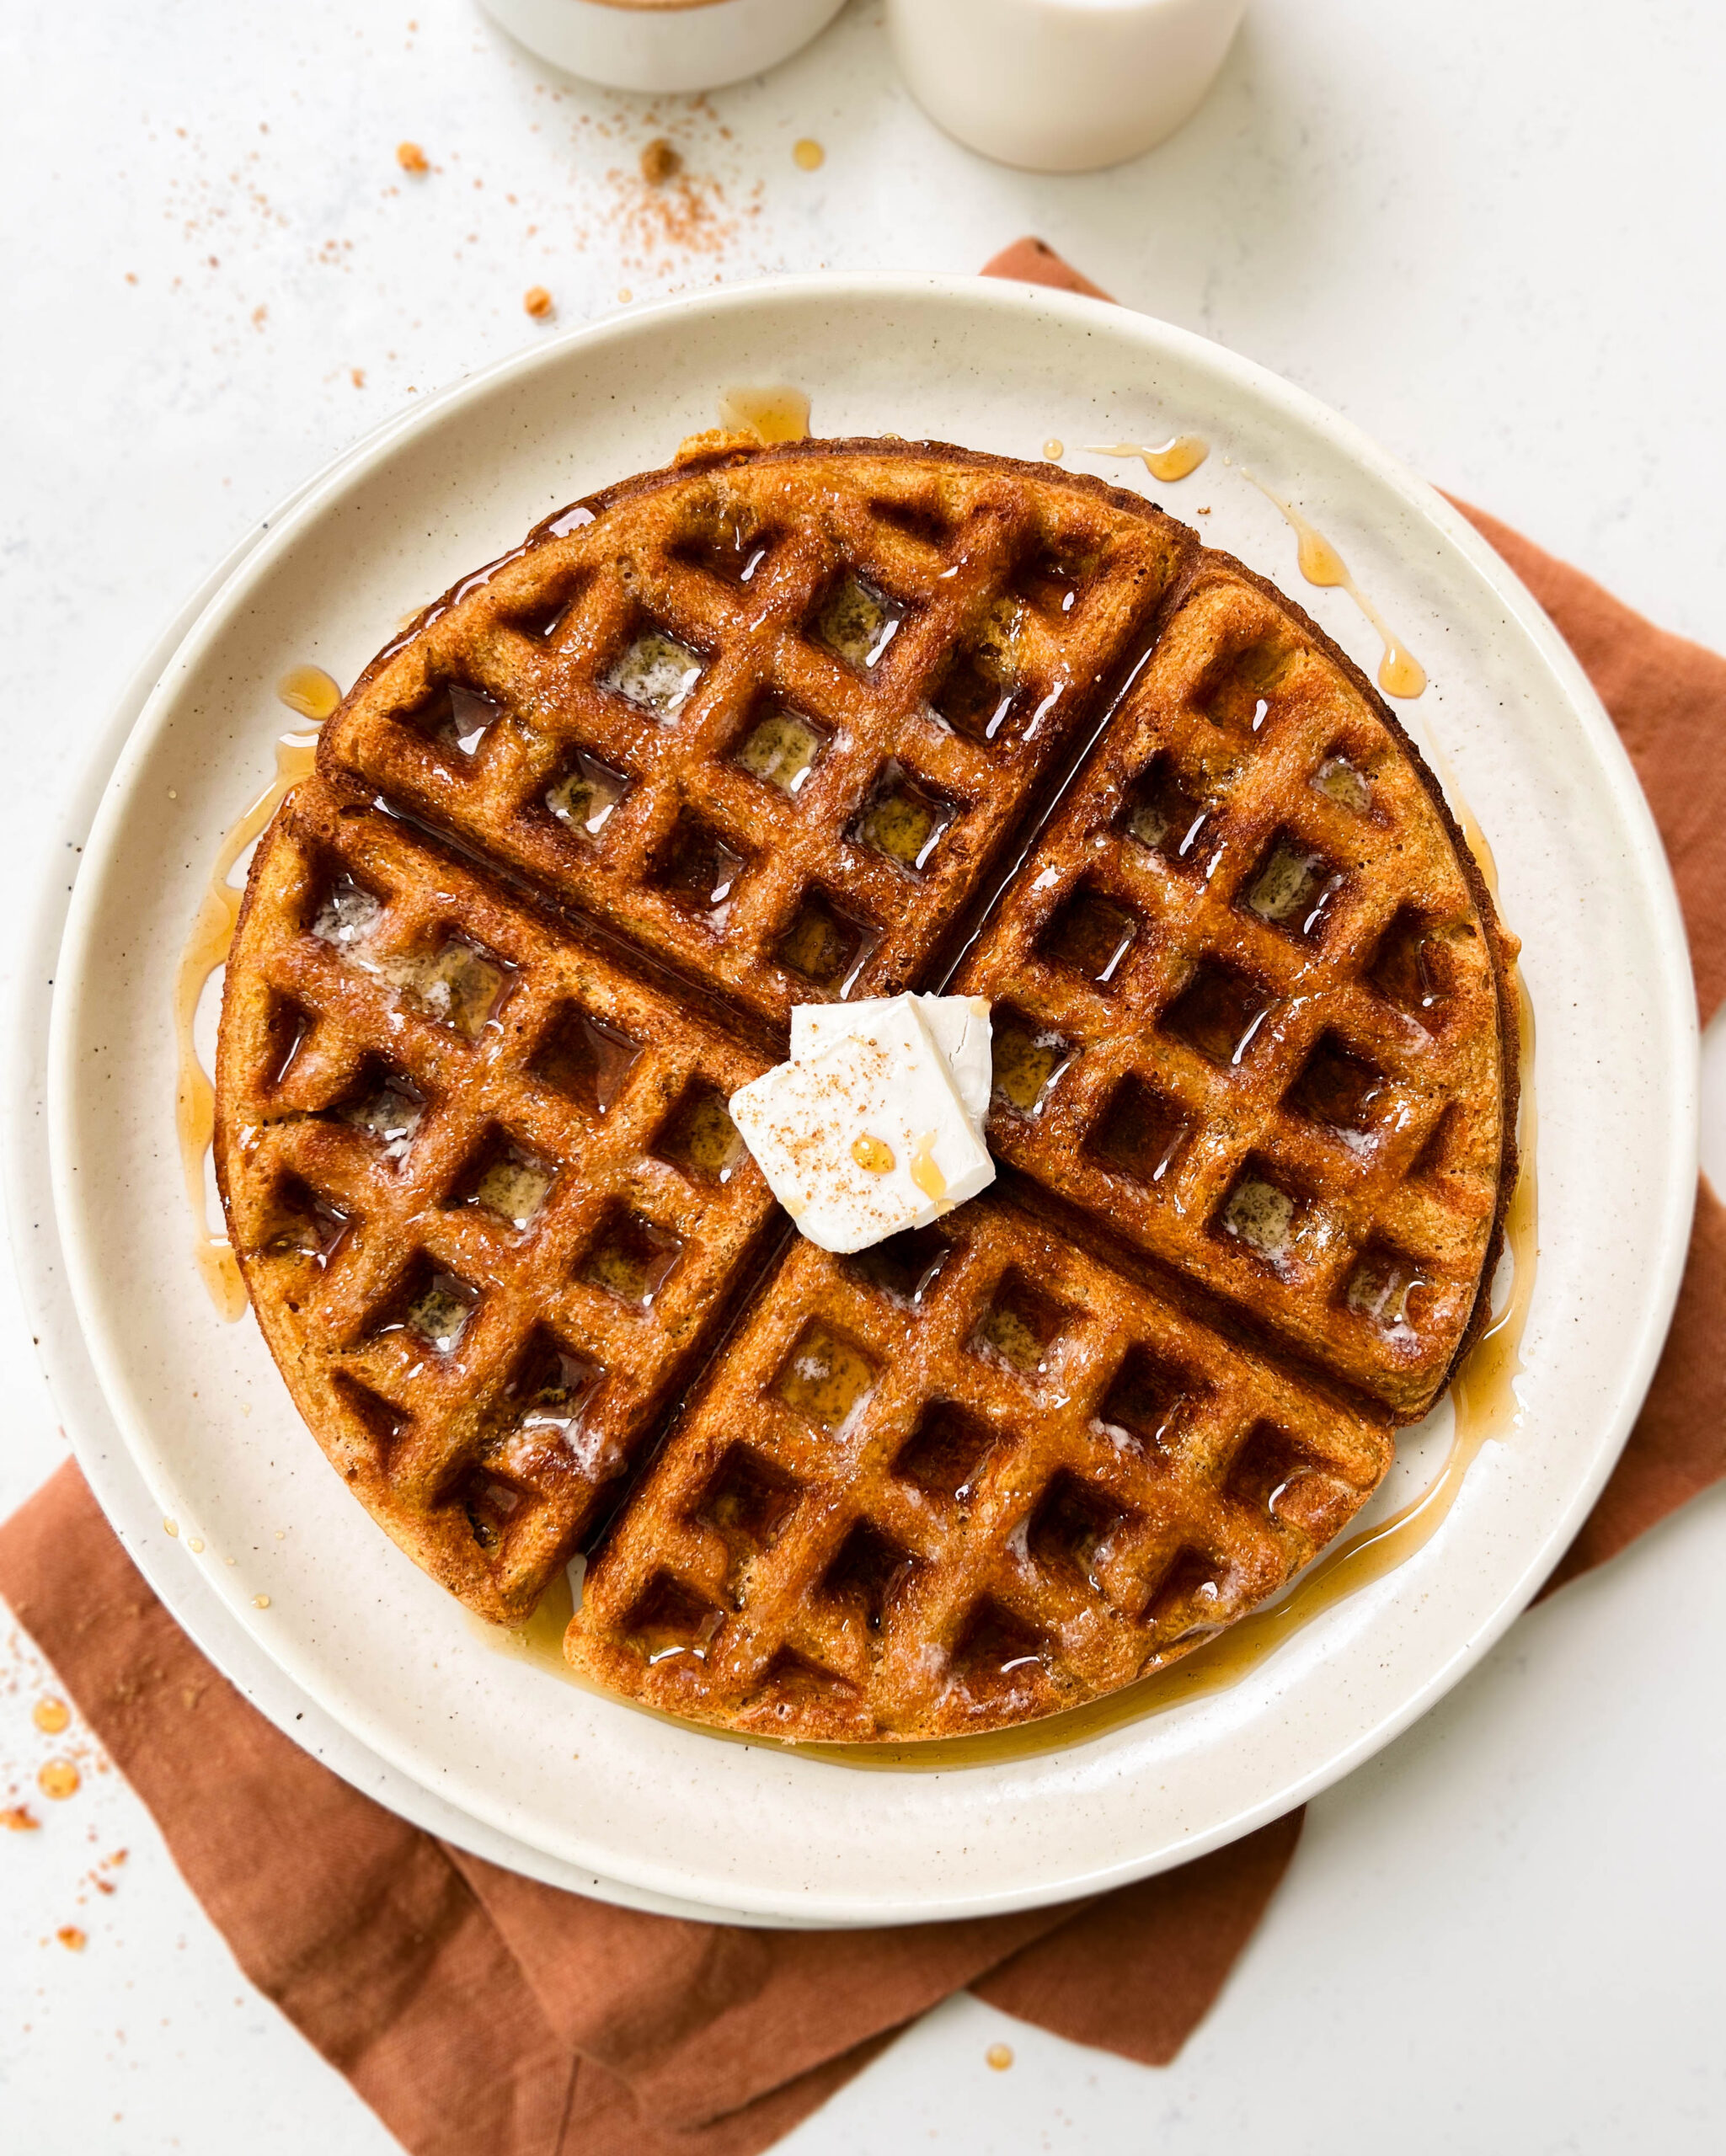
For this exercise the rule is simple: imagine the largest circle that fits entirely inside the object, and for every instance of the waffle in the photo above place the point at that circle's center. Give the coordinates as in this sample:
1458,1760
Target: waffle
986,1476
774,719
835,720
1250,1001
483,1187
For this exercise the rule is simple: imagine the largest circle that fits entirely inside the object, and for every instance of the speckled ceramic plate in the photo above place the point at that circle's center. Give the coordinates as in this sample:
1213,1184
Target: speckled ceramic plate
582,1786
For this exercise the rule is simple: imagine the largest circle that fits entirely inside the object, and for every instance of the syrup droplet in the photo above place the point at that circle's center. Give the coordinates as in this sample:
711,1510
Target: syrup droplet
1176,458
310,692
925,1169
773,414
1000,2057
809,154
57,1778
1054,449
51,1716
261,1602
873,1155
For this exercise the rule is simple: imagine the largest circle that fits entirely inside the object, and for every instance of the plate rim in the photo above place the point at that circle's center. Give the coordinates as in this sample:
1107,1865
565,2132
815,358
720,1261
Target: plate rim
1675,1183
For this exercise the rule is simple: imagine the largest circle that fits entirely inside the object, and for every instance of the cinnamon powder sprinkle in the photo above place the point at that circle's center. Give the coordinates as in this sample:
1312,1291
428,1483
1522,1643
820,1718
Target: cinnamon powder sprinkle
411,157
19,1819
659,161
537,301
71,1938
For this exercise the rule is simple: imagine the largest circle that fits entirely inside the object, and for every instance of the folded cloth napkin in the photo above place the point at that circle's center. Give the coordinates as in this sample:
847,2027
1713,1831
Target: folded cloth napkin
476,2011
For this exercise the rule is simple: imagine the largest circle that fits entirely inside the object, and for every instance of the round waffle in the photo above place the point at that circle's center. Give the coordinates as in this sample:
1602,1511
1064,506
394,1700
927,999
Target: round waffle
829,721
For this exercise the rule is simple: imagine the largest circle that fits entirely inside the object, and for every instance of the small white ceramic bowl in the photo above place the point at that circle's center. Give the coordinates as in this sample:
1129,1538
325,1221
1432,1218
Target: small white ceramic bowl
1062,85
664,44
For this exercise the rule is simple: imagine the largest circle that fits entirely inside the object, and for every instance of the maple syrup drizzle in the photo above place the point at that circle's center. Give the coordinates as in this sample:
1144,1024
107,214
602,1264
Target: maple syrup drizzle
1400,673
310,693
776,414
1178,458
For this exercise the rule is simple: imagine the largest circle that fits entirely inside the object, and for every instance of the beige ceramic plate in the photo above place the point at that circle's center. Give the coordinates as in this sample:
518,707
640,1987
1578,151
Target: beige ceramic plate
581,1785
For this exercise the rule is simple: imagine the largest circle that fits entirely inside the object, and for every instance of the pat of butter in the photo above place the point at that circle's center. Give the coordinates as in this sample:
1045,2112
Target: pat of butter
959,1026
881,1078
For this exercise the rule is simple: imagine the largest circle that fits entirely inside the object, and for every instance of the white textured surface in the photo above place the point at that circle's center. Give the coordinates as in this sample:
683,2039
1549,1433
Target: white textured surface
1489,236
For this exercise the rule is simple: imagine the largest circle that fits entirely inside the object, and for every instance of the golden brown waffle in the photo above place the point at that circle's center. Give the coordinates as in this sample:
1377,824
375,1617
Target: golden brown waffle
483,1187
1251,1003
963,1479
772,719
772,726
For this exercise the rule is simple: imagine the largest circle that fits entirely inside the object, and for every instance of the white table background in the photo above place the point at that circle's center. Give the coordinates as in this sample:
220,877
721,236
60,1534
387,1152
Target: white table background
1490,233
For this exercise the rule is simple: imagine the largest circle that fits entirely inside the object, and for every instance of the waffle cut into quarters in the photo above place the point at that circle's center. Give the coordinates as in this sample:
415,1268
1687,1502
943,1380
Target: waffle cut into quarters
823,722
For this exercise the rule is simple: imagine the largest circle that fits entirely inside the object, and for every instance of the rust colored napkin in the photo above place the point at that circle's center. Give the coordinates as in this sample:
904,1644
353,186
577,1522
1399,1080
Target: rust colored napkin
481,2014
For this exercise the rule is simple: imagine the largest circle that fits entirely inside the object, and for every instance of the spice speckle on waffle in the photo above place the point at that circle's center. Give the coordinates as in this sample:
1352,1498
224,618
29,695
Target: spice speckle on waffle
825,722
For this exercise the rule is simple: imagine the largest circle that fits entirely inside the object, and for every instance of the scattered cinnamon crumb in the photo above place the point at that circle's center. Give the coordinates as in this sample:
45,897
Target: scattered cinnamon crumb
659,161
357,376
411,157
260,315
71,1938
132,276
537,301
19,1819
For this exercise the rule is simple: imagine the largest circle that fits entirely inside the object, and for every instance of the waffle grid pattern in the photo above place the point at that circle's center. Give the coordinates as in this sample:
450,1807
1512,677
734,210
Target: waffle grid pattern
982,1476
566,667
479,1377
1270,1001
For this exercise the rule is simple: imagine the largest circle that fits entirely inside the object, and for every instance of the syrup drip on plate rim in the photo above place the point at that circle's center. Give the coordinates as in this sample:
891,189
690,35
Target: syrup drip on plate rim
1176,458
310,693
773,413
1400,673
